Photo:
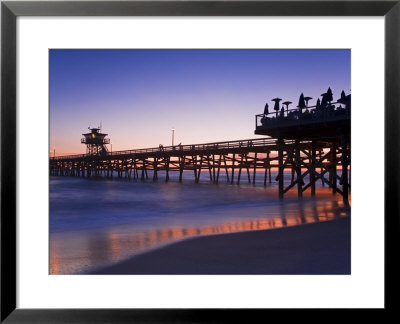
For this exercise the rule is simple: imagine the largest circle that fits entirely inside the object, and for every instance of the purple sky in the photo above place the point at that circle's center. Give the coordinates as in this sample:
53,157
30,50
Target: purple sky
207,95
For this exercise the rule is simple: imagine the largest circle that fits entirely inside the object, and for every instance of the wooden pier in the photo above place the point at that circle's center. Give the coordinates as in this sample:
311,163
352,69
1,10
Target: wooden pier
311,142
238,160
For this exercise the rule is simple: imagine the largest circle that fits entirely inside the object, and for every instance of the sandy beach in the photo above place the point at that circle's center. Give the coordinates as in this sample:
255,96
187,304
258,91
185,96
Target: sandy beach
317,248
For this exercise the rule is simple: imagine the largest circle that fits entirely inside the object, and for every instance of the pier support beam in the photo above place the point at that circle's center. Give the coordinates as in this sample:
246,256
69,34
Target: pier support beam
280,167
194,162
298,170
322,169
233,168
313,166
240,169
167,169
334,167
182,160
254,168
219,168
155,168
345,164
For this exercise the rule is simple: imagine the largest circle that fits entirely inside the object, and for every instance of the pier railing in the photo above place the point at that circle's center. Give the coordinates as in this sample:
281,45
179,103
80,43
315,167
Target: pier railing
85,140
304,116
246,143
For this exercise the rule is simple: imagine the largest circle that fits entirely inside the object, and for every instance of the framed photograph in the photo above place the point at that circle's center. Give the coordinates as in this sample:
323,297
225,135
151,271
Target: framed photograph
180,160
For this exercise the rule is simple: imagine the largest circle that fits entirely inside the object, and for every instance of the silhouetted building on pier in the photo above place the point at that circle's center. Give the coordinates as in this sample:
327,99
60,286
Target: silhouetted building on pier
307,122
95,142
326,125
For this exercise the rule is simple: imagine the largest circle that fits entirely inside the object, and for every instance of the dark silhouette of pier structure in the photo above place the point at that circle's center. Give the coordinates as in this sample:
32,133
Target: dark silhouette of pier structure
312,142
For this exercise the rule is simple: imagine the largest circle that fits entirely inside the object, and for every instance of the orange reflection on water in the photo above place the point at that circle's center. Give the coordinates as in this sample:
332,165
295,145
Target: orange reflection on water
206,230
177,233
154,238
117,245
54,260
277,223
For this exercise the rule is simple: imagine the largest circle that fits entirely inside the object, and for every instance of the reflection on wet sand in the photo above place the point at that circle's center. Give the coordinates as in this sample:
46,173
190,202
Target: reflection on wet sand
109,246
54,259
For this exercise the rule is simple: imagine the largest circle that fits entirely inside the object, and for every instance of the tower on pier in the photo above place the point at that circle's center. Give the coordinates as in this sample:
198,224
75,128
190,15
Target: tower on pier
95,142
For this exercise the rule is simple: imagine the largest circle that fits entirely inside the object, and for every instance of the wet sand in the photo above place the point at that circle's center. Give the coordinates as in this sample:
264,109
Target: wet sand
317,248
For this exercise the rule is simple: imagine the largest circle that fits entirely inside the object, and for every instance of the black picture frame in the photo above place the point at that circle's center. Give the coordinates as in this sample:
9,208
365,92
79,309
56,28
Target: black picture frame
10,10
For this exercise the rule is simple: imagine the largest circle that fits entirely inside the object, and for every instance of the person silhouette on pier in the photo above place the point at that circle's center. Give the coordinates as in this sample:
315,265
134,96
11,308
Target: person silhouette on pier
318,105
282,113
324,101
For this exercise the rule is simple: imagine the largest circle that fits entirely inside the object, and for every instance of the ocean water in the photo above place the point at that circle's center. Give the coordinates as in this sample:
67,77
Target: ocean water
94,223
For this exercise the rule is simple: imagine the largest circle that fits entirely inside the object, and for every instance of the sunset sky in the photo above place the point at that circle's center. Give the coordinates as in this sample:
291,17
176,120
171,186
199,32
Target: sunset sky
206,95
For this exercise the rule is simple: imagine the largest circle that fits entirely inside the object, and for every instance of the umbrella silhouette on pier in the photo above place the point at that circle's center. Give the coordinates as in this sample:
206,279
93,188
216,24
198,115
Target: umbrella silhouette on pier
307,99
344,99
276,106
302,103
287,103
324,101
329,96
266,109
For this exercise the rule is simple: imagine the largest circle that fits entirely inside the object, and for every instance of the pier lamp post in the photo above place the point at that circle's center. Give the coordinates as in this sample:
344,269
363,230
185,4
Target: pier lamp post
173,133
111,148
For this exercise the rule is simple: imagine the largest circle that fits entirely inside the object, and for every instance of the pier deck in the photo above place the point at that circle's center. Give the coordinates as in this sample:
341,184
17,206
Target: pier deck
239,160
